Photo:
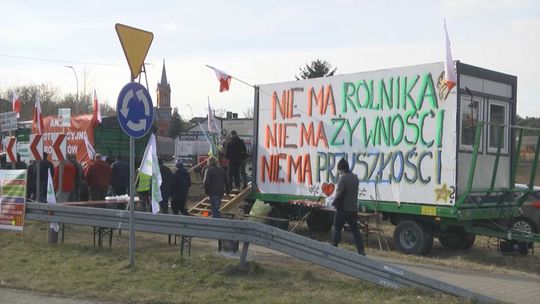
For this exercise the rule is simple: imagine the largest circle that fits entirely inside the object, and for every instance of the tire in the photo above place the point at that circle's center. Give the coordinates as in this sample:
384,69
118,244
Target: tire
523,225
506,246
428,238
454,240
469,241
277,212
412,237
320,220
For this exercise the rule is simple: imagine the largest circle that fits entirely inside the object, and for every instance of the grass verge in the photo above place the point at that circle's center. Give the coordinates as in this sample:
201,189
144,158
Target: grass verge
77,269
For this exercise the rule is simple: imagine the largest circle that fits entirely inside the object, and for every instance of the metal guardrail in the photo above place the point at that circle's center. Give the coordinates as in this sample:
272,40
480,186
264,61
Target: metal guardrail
292,244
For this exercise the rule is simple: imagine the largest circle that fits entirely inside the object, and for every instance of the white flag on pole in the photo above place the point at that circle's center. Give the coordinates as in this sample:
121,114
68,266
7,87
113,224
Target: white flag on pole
449,72
51,197
89,149
150,166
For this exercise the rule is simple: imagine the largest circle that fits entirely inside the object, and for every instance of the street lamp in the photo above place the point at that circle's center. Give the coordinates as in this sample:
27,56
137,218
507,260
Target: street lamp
77,81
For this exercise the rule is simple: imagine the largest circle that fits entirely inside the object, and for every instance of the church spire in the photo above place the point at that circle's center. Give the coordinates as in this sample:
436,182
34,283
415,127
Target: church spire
164,74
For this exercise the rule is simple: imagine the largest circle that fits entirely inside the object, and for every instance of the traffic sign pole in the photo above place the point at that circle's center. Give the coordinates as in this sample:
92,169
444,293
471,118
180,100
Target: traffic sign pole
135,43
135,113
36,154
132,202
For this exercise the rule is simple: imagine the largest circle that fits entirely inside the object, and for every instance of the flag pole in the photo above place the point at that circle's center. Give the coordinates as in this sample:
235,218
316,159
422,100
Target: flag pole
240,80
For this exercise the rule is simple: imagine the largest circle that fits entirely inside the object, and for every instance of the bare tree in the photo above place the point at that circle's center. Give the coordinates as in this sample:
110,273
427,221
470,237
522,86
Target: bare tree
220,112
50,101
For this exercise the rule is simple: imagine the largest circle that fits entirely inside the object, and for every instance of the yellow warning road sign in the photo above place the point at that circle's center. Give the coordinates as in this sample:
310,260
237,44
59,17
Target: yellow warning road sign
136,43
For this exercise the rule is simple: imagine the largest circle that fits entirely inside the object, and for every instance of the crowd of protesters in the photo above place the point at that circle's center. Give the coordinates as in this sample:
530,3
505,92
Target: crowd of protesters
101,177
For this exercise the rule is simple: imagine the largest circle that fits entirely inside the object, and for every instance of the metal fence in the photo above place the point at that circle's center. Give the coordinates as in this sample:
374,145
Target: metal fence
247,232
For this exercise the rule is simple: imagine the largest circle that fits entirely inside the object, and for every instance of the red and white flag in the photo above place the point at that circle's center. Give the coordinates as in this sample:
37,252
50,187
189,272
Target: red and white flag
37,120
89,149
449,71
97,111
223,78
16,104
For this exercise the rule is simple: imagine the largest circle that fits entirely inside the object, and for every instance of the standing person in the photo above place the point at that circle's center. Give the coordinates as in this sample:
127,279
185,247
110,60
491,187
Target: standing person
346,206
236,153
68,181
20,164
75,195
44,165
166,181
181,181
3,162
215,183
120,176
31,180
144,185
98,177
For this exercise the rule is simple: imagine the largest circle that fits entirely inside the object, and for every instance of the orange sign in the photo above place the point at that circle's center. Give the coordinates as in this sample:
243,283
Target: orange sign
81,126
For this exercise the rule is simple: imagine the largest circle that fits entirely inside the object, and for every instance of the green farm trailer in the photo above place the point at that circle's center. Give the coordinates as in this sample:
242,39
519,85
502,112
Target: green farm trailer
436,160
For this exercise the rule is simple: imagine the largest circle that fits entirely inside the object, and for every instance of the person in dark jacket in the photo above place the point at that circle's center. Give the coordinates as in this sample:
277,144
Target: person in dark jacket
75,195
20,164
166,184
31,181
215,183
3,162
120,176
236,153
181,181
346,206
44,165
98,176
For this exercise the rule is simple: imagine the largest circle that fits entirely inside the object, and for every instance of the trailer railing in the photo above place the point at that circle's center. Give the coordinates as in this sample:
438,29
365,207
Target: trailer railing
303,248
506,196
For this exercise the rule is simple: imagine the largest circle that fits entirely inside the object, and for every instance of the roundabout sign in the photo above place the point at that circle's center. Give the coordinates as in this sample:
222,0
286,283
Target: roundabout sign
135,110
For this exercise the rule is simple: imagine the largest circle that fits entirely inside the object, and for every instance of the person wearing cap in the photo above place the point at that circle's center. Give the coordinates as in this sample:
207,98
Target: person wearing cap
215,183
181,181
98,177
346,206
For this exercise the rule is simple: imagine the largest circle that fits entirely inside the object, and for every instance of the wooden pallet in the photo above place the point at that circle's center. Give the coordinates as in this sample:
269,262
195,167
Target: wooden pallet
228,204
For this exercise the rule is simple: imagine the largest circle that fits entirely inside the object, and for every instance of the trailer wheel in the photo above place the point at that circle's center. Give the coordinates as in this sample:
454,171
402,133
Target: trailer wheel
429,239
320,220
278,213
412,237
456,239
469,241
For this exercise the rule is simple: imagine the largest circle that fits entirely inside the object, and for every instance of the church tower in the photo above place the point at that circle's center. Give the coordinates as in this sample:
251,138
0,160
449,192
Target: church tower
164,94
163,103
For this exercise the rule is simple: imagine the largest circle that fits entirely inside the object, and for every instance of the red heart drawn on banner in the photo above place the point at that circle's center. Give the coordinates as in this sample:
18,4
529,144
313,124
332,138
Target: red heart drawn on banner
328,188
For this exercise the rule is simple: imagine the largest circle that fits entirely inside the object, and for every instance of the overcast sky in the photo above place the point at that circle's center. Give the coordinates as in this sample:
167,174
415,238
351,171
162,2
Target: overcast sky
260,42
